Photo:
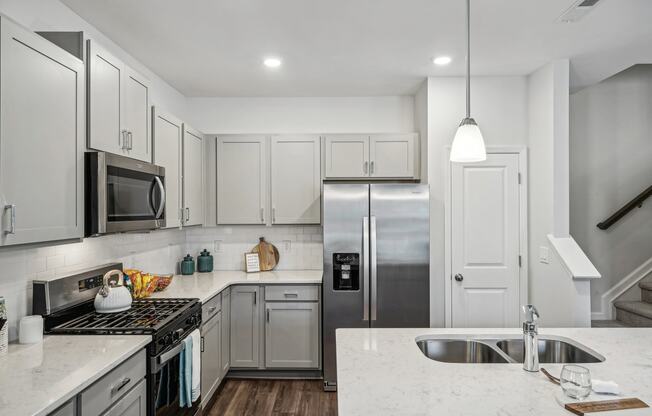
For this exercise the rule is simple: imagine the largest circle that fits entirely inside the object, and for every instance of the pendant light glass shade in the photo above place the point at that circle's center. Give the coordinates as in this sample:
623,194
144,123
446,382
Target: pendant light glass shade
468,144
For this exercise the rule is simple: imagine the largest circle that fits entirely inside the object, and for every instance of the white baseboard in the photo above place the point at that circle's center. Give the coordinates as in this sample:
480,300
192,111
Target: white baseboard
608,298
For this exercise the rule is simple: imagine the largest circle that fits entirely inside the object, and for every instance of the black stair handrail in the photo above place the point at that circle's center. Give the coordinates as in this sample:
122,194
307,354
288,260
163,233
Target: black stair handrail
636,202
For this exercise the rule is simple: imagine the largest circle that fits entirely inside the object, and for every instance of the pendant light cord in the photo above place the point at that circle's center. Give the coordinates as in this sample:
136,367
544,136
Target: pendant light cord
468,58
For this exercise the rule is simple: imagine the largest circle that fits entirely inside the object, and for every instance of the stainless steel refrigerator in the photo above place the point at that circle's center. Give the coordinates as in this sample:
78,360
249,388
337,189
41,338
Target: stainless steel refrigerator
376,260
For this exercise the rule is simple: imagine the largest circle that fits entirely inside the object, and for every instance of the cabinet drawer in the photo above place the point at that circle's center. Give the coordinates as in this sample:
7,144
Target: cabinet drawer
211,307
107,390
292,293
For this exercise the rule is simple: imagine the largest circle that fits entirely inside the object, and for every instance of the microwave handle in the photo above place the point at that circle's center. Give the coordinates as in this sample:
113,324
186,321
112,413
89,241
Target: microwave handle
162,204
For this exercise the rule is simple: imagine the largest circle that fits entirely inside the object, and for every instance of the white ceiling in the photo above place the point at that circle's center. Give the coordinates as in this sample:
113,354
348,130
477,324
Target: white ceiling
359,47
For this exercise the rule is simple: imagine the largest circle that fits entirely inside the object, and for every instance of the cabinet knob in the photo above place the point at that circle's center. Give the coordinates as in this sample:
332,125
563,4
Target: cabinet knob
459,277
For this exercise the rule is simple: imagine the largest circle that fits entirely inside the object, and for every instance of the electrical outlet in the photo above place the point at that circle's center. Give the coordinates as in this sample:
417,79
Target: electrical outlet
544,255
217,246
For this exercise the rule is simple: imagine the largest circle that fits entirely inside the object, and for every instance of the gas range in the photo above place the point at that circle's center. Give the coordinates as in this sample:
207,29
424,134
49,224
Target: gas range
67,307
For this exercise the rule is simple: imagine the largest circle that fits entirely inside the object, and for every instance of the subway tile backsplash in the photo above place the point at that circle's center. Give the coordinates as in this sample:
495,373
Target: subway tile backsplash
300,247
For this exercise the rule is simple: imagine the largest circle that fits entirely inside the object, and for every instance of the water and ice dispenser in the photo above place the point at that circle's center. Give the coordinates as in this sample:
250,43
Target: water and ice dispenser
346,271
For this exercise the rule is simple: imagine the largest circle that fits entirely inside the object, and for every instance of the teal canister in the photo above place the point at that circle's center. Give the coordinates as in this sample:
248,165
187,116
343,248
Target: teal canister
188,265
204,262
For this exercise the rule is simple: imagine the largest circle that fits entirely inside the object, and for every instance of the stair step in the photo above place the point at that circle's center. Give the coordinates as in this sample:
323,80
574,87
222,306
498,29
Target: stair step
646,291
634,313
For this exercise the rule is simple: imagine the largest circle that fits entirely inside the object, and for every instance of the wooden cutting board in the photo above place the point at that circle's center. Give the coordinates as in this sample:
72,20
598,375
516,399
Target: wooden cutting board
268,255
604,406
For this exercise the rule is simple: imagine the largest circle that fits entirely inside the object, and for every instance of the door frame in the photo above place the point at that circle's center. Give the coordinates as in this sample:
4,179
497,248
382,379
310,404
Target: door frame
521,151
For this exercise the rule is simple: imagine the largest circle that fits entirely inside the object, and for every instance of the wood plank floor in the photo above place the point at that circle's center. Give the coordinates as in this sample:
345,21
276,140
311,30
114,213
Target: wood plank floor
273,397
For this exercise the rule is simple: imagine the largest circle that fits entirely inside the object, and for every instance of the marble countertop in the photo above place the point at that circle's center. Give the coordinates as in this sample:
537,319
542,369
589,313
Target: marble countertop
36,379
383,372
206,285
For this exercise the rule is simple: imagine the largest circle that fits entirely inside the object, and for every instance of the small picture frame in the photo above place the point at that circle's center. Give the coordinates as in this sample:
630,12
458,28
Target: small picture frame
252,263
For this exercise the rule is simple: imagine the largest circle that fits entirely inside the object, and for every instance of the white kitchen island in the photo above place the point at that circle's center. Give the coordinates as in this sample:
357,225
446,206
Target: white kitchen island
383,372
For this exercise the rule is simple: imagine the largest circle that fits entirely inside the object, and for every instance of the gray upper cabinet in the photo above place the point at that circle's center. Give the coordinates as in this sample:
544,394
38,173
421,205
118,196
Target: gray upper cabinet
292,335
378,156
245,326
118,118
193,168
242,180
41,139
296,179
168,136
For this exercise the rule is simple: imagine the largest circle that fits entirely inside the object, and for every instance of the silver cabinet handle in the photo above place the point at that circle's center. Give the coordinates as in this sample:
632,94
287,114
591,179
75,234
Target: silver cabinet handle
130,136
371,167
273,214
255,297
365,167
374,268
115,389
365,270
161,205
291,294
124,144
187,214
202,344
12,219
262,215
268,315
212,309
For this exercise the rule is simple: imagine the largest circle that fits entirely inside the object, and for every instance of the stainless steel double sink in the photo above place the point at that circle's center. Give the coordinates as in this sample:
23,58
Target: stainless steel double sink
479,349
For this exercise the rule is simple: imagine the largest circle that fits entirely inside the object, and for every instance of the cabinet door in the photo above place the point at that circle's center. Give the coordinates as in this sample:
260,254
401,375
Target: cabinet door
68,409
168,133
296,180
241,180
226,331
211,368
133,403
104,112
346,156
245,320
292,335
193,190
41,139
392,156
137,115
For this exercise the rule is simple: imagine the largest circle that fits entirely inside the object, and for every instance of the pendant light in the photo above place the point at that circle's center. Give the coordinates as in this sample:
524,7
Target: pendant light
468,144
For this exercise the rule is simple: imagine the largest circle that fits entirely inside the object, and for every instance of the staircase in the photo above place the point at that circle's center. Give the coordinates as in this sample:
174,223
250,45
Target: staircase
636,313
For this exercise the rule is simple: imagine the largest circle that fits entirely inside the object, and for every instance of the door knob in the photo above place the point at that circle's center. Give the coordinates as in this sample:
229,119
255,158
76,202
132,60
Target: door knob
459,277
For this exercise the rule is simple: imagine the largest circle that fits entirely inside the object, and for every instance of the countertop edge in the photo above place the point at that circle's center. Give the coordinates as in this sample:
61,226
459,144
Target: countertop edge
52,406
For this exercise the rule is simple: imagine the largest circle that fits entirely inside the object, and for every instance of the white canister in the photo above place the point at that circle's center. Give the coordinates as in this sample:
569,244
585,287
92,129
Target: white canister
30,329
4,327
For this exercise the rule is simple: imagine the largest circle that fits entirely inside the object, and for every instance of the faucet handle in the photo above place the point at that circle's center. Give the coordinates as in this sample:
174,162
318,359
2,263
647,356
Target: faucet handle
531,313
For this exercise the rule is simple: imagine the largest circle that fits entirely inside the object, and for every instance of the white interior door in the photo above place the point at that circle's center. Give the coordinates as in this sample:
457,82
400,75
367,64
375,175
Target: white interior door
485,242
168,133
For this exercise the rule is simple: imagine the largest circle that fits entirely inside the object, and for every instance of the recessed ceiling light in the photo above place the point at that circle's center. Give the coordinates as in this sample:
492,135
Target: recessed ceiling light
442,60
272,62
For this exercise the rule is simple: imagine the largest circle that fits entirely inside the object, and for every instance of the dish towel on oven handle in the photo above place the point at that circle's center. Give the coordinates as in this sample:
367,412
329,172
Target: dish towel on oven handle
190,370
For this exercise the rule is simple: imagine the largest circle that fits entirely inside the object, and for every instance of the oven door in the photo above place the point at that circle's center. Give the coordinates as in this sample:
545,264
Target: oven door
164,386
127,195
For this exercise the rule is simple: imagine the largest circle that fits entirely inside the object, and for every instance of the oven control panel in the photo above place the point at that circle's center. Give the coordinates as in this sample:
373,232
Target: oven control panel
90,283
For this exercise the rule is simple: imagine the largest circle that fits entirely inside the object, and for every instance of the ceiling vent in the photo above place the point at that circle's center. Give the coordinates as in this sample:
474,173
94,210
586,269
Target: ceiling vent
577,11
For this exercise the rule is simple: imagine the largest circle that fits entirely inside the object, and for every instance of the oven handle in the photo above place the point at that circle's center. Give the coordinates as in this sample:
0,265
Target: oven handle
162,204
158,362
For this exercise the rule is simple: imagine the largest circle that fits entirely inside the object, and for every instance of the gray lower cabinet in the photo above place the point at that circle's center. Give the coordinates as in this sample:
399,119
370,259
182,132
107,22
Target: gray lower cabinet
245,326
68,409
133,403
292,335
211,357
226,331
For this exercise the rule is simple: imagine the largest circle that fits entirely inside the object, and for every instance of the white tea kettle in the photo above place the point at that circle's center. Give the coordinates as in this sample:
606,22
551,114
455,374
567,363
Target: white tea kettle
113,298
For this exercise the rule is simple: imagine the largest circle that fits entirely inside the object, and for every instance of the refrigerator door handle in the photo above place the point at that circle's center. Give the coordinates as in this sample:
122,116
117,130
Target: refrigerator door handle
365,268
374,269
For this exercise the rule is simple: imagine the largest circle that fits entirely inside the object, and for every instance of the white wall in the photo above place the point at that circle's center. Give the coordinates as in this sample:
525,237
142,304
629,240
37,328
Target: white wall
557,296
234,115
611,162
44,15
499,105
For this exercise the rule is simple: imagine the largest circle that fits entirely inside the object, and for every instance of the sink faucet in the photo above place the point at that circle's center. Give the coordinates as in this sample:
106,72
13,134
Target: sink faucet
530,339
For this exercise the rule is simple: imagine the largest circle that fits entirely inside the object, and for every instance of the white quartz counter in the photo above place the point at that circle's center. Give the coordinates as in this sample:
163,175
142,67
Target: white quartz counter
36,379
383,372
206,285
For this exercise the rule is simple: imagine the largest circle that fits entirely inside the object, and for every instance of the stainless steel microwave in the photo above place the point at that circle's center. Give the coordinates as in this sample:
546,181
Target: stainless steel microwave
122,194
